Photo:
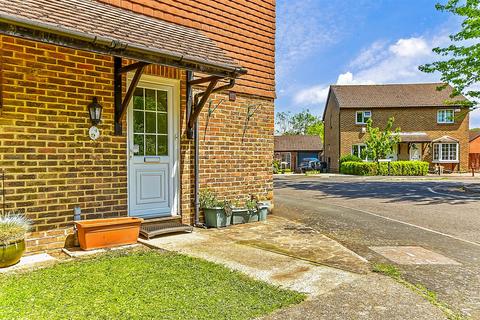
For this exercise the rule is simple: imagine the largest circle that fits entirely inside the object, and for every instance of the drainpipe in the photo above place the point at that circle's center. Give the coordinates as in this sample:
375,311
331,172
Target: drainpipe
196,141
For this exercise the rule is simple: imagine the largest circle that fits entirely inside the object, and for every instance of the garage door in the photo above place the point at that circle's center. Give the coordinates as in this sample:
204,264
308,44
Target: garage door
303,155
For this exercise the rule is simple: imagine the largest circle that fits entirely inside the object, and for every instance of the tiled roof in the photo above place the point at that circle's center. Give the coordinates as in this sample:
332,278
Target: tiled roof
414,137
298,143
90,19
392,95
474,134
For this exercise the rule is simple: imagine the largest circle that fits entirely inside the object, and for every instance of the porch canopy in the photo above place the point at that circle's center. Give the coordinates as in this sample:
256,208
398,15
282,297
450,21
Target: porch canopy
414,137
98,27
95,26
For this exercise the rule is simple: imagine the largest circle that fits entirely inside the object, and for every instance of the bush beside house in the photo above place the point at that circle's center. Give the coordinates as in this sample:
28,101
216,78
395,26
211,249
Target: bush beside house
397,168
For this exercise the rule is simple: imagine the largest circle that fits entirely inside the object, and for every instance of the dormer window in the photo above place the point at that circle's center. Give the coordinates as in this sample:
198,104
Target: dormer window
361,117
446,116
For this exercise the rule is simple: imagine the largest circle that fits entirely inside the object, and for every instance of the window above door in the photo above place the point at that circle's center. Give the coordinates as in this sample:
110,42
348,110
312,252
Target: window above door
446,116
361,117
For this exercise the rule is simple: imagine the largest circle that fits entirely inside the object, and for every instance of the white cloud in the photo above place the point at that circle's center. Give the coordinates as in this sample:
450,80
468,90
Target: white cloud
312,96
412,47
381,62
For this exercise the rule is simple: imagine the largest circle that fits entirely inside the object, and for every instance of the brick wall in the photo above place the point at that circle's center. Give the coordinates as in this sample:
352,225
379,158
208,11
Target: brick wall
244,29
331,148
409,120
52,165
474,145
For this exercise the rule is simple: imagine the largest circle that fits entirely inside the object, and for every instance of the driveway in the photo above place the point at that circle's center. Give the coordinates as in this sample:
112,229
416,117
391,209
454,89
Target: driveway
434,220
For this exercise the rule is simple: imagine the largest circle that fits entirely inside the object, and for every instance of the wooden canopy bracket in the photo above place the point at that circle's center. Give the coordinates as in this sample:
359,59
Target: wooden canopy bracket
195,107
121,105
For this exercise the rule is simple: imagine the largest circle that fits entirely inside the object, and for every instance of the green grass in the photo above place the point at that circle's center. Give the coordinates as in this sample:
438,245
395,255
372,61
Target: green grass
139,285
431,296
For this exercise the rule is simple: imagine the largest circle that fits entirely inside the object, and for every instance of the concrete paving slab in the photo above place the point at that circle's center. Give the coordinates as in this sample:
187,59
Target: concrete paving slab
29,262
372,297
412,255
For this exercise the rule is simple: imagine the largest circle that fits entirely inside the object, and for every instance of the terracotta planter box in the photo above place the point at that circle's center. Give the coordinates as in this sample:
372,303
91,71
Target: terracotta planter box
104,233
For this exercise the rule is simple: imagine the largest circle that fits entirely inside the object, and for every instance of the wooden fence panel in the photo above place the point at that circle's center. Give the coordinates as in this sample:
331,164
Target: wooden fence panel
474,161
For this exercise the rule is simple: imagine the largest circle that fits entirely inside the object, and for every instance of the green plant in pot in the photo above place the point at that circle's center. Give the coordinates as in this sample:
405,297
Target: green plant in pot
217,213
252,206
13,228
263,206
240,214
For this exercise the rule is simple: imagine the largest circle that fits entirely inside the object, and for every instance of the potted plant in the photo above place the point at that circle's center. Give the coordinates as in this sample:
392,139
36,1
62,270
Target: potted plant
240,214
217,214
263,207
253,211
13,228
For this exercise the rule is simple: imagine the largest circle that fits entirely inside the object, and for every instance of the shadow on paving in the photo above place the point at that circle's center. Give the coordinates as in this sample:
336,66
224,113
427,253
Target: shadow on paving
411,191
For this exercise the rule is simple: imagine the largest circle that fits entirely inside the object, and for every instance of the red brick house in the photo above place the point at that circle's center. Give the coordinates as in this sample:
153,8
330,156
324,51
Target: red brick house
156,68
474,145
431,129
290,150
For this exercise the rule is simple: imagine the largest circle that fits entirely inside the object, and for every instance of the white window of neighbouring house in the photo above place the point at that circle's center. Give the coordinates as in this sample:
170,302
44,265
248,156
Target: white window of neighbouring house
361,117
359,150
445,116
286,160
445,152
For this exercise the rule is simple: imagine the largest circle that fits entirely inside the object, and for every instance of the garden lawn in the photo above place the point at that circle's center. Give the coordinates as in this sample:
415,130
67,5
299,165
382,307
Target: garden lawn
138,285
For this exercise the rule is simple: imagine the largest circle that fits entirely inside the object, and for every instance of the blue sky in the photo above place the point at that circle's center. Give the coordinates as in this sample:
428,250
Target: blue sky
322,42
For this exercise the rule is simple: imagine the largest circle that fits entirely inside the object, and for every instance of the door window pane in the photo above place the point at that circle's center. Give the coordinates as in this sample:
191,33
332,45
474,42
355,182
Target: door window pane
138,101
138,125
162,123
150,100
162,145
162,101
151,125
138,139
150,122
150,145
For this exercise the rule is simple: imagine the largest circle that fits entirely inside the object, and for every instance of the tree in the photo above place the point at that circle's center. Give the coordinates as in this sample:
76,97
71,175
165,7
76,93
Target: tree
379,144
462,58
301,123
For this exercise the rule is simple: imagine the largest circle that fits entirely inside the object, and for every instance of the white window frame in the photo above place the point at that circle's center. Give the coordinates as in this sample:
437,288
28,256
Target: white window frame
363,113
445,119
438,155
358,146
289,162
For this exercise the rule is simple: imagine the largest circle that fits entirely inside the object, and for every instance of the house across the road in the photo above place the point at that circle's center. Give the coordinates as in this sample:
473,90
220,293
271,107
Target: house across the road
474,162
106,107
290,150
431,129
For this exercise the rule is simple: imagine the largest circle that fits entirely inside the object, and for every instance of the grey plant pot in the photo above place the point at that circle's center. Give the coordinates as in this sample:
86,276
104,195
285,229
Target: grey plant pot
262,212
253,215
240,215
216,217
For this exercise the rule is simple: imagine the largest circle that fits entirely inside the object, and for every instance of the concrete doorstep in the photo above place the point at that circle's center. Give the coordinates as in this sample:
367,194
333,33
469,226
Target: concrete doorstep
288,254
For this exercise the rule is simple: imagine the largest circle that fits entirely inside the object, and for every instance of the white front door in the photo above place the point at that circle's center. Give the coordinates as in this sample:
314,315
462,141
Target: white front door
416,151
152,143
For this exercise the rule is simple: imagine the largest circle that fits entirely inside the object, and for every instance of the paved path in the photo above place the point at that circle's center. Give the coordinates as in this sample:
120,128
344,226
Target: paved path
290,255
361,213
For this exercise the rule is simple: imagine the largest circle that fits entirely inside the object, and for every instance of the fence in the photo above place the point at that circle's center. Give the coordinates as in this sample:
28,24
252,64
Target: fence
474,161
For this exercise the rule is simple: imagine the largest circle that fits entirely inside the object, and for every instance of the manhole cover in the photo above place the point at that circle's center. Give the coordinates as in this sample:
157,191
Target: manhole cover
412,255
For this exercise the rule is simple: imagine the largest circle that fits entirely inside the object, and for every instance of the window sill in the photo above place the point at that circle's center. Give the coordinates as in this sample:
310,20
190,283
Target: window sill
446,161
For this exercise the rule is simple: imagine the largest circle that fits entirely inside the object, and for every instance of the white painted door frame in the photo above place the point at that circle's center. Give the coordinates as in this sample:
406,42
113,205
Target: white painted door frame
172,86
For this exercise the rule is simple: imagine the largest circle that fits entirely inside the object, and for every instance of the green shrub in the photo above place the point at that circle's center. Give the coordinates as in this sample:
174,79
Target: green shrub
397,168
349,158
287,170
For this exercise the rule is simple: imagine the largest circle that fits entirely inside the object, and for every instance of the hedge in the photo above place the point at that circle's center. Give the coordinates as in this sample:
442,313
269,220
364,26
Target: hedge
397,168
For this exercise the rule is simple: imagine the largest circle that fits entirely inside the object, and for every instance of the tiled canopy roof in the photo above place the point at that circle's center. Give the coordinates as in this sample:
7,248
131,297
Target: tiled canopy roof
473,134
414,137
392,95
123,30
298,143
